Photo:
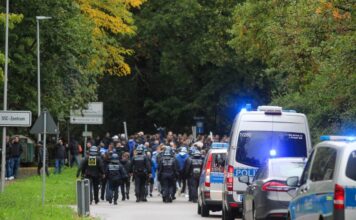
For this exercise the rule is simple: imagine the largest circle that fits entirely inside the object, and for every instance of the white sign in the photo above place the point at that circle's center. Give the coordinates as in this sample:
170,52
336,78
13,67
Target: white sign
92,115
86,120
87,134
15,118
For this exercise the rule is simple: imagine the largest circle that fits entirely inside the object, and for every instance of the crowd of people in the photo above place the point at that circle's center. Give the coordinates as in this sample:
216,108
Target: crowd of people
167,163
13,153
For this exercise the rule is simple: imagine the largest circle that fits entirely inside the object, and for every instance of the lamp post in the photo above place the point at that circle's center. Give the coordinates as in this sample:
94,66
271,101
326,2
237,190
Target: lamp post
3,156
38,19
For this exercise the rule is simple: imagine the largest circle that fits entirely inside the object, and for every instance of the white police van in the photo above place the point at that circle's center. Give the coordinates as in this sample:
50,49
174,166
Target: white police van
255,137
327,187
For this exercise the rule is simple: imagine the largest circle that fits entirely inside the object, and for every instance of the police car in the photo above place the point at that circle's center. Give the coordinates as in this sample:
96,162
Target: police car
255,137
211,180
327,187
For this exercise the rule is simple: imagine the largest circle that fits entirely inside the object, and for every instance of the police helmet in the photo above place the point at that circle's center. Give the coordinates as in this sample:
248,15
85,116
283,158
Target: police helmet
196,153
93,151
114,156
183,150
140,149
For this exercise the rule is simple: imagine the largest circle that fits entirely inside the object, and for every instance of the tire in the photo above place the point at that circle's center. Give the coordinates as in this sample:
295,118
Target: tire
204,211
199,209
227,215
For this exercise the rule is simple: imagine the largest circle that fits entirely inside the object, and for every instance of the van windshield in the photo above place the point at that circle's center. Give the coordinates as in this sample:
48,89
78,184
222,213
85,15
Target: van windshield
255,147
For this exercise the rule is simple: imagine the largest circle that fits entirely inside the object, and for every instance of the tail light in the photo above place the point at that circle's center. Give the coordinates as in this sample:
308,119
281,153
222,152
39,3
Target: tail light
230,178
275,187
207,194
339,197
208,170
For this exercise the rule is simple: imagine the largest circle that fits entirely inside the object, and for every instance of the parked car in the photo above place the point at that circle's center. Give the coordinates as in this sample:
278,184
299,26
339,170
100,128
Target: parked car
211,181
327,186
255,137
267,196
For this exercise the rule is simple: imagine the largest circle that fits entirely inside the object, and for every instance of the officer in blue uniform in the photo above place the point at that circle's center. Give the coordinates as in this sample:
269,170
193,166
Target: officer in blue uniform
115,174
193,170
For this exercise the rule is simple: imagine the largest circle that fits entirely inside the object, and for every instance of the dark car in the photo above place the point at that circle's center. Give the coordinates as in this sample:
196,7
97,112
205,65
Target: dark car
268,197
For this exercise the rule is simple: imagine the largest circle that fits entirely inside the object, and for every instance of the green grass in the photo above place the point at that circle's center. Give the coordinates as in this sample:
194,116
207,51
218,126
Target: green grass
22,199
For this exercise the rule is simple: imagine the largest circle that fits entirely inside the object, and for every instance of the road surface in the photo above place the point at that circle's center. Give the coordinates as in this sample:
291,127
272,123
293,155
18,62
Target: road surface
154,209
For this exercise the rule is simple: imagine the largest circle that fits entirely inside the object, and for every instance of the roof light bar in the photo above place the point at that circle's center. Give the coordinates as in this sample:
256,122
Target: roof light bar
270,110
337,138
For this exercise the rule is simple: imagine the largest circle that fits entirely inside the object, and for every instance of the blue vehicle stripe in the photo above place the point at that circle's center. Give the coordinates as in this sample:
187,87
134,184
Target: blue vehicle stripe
350,200
216,177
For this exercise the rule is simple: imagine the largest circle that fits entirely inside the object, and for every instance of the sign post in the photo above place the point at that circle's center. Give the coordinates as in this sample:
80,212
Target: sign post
44,125
125,130
92,115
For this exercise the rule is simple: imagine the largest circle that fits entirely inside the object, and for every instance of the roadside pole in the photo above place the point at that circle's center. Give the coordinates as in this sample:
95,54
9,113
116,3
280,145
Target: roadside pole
44,158
85,139
125,130
3,156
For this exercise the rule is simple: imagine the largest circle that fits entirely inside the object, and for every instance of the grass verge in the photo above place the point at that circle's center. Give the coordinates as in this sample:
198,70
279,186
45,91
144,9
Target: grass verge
23,199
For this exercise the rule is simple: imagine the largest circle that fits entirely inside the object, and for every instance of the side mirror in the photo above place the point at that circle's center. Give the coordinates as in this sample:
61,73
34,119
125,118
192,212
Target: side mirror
293,181
244,179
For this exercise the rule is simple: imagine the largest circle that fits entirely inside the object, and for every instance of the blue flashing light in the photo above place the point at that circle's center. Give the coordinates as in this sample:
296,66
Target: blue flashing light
243,110
248,107
273,153
337,138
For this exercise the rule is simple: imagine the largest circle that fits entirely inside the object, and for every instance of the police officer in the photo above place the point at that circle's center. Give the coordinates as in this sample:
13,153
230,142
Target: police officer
141,169
115,174
167,174
193,169
92,168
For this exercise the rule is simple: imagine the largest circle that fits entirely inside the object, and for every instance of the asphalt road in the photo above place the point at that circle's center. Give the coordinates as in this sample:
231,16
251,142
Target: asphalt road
154,209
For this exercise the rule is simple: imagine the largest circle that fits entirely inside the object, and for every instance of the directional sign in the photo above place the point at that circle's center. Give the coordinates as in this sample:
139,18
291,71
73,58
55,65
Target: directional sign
92,115
15,118
86,120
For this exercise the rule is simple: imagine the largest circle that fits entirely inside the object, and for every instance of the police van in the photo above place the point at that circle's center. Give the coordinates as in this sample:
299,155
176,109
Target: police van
327,187
255,137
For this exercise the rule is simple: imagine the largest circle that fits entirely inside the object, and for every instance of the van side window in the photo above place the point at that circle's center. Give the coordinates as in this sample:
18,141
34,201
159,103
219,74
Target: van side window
324,164
351,166
305,174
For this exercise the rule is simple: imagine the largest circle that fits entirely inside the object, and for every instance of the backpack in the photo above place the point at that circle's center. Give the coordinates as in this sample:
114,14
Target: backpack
196,164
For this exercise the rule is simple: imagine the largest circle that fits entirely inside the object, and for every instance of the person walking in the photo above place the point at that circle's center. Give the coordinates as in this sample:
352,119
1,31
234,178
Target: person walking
167,173
16,151
181,157
59,156
125,186
115,173
193,169
140,168
74,152
40,159
92,168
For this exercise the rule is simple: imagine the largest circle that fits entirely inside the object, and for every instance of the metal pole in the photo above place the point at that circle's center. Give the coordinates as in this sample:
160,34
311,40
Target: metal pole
44,157
38,73
85,139
125,129
3,156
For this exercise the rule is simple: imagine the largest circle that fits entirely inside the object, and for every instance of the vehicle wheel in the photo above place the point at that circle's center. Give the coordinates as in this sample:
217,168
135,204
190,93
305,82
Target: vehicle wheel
204,211
228,215
199,209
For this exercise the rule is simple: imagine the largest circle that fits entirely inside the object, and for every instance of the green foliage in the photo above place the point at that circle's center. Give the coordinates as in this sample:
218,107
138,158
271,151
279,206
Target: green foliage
22,199
309,50
183,68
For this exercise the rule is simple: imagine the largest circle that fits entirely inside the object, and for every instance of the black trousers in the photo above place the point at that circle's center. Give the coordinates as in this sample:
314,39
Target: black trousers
39,166
125,187
182,181
193,188
113,190
140,186
94,186
168,186
103,188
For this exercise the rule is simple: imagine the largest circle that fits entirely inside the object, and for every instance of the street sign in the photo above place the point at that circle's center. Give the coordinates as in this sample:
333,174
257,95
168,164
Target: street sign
15,118
92,115
38,127
86,120
87,134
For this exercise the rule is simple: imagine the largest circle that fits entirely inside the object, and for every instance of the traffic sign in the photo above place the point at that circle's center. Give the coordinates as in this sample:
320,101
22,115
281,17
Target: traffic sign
39,127
86,120
87,134
92,115
15,118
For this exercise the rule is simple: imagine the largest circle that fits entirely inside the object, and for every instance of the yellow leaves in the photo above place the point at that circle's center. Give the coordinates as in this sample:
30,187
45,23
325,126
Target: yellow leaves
111,18
329,9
